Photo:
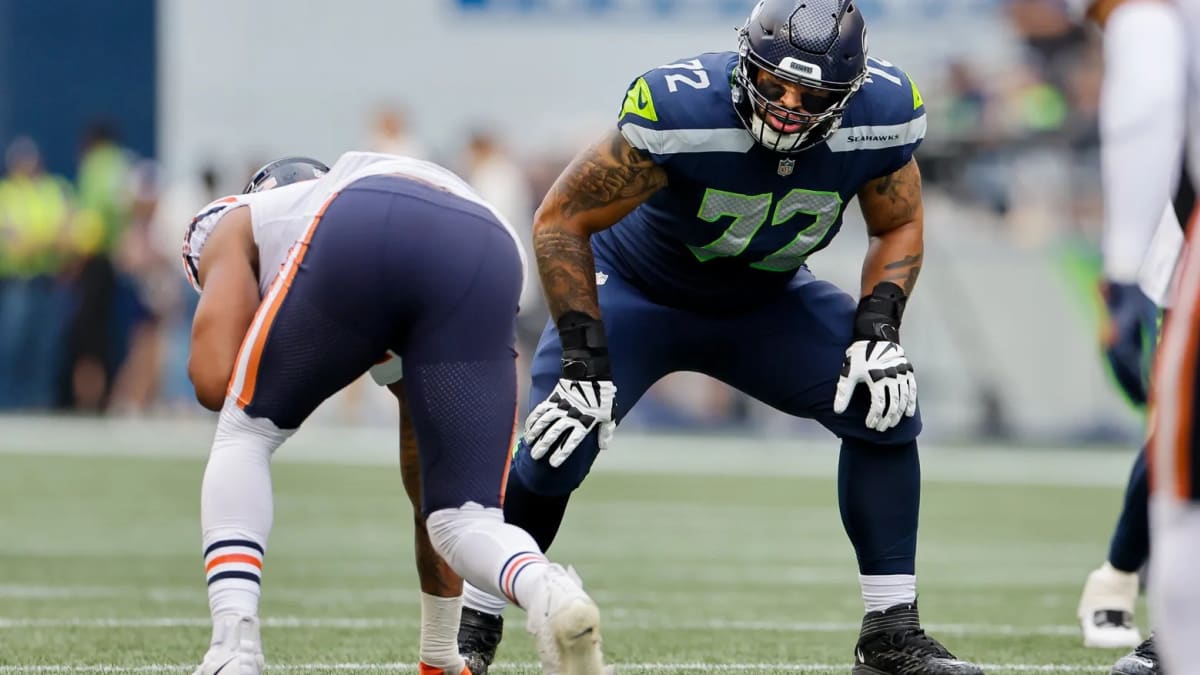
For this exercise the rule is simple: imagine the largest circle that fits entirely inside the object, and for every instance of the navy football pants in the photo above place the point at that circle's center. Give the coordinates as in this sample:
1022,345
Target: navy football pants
787,353
395,264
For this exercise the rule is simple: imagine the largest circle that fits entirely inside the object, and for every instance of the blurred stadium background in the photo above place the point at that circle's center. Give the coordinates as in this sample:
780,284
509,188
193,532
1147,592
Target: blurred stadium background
118,120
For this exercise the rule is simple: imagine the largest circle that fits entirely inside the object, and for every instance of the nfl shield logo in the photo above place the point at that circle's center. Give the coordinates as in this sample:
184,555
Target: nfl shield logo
786,166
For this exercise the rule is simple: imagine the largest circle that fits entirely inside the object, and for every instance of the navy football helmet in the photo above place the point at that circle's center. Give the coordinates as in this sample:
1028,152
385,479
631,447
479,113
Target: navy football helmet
285,171
820,45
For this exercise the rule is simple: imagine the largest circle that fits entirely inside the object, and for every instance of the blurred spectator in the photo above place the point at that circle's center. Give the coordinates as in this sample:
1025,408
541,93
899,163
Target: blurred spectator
966,104
687,400
34,213
502,182
148,292
178,202
390,133
1052,39
95,339
968,152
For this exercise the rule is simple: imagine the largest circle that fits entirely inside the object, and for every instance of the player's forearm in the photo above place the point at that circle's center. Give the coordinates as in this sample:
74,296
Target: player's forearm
567,269
895,215
894,256
226,310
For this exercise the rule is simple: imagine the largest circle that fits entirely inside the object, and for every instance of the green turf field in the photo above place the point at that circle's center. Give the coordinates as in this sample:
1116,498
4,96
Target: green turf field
100,569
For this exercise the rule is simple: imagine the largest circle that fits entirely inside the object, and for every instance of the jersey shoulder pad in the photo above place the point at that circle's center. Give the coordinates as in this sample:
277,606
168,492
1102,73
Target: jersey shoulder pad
888,114
664,104
197,233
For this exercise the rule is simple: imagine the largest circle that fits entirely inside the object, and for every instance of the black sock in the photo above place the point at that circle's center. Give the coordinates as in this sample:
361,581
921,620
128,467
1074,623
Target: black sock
1131,541
539,515
879,494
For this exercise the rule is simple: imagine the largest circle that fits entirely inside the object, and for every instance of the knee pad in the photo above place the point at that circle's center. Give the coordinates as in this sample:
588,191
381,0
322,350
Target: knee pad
237,430
448,527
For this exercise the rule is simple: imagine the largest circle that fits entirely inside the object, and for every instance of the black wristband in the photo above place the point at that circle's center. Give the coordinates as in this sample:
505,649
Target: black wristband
584,347
878,315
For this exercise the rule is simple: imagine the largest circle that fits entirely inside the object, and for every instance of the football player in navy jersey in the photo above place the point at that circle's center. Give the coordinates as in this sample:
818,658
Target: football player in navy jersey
679,241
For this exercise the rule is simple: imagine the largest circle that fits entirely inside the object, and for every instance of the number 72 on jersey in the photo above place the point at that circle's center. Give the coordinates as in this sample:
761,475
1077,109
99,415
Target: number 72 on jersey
749,213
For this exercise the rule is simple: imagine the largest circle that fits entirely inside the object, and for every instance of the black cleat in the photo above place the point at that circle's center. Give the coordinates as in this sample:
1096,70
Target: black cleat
892,642
1143,660
478,637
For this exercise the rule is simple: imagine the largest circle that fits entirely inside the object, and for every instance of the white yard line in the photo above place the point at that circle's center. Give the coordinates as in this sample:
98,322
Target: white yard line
618,622
516,667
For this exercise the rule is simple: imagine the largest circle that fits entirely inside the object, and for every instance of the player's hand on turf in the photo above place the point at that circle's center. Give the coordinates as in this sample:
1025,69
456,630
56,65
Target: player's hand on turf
889,376
560,423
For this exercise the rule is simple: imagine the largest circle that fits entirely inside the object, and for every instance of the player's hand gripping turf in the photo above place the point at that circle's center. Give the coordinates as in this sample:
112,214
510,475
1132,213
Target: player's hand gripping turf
584,398
876,359
883,367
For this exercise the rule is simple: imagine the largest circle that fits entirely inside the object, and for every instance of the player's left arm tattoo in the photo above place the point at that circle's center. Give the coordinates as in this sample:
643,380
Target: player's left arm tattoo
895,218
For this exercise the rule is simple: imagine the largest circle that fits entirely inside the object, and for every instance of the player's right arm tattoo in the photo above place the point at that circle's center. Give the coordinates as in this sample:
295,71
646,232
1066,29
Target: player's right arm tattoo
601,185
904,272
892,206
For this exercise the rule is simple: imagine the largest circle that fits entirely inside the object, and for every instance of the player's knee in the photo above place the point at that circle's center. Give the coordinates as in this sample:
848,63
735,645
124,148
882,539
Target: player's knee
903,433
239,432
541,478
447,527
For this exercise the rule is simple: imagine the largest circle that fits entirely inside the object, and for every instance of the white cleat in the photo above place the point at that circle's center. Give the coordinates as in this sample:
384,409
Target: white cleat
565,623
236,648
1106,609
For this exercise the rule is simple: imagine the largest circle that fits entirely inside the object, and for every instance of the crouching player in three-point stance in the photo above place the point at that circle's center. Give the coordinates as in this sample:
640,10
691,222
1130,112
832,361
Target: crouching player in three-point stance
311,279
679,243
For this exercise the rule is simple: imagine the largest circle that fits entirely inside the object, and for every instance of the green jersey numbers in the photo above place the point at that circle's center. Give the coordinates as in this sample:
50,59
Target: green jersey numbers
749,213
824,207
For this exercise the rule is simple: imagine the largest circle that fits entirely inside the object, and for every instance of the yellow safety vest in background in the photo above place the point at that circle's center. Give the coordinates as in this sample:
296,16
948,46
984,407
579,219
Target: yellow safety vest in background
33,215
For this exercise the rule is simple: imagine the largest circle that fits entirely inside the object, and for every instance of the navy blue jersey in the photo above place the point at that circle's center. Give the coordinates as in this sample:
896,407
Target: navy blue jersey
736,220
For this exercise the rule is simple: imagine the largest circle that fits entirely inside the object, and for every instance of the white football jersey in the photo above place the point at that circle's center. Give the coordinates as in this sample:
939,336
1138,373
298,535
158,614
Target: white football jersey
1142,131
1191,15
281,216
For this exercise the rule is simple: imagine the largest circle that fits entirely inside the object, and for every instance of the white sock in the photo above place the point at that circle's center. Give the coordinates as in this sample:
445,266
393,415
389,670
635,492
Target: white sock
880,591
236,510
1175,583
492,555
1107,568
482,601
439,633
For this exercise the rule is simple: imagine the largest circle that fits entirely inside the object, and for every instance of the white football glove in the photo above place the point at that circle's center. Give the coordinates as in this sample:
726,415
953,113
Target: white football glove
560,423
889,376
